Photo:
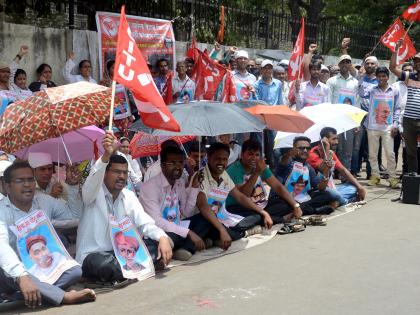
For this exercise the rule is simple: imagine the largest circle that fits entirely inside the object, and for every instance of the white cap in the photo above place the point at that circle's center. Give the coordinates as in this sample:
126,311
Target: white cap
323,67
242,53
344,57
266,62
3,166
372,59
38,159
258,61
284,62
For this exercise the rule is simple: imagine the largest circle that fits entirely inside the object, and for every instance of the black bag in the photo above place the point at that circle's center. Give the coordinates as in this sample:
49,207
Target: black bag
411,189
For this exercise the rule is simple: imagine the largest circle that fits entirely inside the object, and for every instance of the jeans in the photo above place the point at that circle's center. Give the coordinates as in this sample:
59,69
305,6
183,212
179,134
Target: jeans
343,193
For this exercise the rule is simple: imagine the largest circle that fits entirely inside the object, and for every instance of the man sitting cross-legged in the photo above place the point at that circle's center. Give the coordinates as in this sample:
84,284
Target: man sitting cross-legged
249,174
215,185
165,198
104,194
301,181
21,201
324,160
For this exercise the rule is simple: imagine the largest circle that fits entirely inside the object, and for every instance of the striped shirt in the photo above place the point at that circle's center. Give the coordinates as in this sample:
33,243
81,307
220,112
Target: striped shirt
412,107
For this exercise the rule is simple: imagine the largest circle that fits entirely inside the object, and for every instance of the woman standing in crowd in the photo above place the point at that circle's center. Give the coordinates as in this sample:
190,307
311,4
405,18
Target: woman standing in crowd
85,71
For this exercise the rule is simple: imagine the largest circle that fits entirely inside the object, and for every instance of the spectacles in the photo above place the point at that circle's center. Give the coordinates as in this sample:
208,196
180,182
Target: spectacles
119,172
20,181
173,163
303,148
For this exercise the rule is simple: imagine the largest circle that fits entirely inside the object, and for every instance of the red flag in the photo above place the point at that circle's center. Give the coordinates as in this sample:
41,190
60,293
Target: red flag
291,96
229,89
295,70
192,51
167,93
412,13
392,35
207,75
131,71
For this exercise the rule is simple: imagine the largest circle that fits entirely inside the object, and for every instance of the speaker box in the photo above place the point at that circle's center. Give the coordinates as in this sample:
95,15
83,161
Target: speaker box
411,189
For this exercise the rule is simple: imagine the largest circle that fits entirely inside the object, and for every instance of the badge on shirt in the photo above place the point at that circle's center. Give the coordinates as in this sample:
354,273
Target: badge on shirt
40,249
130,250
170,211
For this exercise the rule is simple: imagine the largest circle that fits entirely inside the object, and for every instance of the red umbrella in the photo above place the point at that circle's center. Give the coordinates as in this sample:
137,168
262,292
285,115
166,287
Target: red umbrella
144,144
53,112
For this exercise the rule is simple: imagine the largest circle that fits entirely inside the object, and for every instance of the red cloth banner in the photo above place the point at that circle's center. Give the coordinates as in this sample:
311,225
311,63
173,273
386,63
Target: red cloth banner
207,75
392,35
229,89
295,70
412,13
154,37
131,71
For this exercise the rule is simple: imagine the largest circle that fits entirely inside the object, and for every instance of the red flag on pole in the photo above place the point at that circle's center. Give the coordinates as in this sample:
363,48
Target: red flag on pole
392,35
207,75
221,32
192,52
295,70
229,89
167,93
413,12
131,71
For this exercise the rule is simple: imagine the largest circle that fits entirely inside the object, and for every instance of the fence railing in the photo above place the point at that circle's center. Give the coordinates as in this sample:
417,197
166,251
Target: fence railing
257,28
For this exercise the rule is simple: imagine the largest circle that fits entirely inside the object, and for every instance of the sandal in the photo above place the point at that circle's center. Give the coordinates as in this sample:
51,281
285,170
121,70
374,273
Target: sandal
292,227
316,220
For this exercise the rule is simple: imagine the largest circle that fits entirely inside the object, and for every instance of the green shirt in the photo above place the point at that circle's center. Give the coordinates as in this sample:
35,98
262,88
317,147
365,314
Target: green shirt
238,174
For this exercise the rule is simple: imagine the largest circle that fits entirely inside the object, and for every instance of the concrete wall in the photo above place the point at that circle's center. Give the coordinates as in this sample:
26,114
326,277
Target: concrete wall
51,45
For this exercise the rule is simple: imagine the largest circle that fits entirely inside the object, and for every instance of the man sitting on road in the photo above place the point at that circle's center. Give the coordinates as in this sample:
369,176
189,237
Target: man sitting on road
21,201
249,174
215,186
302,182
324,160
165,198
104,194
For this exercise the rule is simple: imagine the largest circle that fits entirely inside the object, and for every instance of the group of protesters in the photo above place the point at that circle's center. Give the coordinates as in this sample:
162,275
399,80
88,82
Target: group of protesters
216,193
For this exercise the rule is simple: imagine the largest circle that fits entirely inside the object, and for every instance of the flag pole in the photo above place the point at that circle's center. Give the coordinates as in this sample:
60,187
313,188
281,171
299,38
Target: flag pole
111,111
405,34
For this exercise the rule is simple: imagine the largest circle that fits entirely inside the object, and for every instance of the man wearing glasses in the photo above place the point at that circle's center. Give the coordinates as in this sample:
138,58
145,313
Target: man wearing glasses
294,169
104,194
166,199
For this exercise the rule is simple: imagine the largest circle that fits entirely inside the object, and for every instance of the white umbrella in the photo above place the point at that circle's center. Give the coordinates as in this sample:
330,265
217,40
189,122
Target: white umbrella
341,117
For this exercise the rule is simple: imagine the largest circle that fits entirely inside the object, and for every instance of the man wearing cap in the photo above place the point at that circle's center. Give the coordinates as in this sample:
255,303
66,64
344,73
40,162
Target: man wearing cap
243,79
312,92
22,200
411,116
325,74
43,170
344,88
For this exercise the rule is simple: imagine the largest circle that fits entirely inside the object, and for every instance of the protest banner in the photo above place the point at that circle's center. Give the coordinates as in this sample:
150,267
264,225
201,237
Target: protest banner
154,37
40,249
130,250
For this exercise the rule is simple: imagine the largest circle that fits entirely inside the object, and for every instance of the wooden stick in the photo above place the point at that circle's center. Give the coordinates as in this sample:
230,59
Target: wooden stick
405,34
111,111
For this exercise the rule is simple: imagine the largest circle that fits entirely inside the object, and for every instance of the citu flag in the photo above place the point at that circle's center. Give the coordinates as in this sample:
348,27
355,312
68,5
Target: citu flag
207,75
413,12
167,92
229,88
295,70
131,71
392,35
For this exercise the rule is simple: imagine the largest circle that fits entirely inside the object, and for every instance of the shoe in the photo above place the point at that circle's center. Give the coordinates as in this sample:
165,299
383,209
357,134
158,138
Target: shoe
182,255
374,180
254,230
209,243
384,176
394,182
324,210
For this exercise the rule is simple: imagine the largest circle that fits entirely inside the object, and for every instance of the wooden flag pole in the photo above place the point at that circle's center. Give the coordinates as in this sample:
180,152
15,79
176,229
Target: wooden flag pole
111,111
405,34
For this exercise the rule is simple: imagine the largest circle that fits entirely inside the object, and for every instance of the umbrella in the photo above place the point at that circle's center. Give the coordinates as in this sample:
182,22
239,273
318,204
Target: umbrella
144,144
281,118
79,145
206,118
342,117
53,112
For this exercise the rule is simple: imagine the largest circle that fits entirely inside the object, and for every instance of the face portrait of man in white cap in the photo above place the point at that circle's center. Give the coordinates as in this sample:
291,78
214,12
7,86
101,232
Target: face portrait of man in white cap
242,59
43,168
370,65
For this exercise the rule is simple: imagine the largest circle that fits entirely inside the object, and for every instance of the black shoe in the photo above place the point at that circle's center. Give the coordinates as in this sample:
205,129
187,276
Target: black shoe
324,210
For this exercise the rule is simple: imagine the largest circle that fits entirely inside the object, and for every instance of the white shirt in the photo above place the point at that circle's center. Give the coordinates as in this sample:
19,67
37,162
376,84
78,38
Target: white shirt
73,78
9,214
93,234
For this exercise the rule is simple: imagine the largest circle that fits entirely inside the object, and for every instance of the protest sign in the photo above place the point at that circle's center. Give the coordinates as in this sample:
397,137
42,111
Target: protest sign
130,250
40,249
297,184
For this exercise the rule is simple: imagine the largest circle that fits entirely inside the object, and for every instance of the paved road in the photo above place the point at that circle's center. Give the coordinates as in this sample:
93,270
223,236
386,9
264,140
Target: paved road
364,262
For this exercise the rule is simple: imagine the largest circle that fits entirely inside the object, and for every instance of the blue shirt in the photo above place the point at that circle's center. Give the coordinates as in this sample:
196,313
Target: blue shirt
365,86
270,93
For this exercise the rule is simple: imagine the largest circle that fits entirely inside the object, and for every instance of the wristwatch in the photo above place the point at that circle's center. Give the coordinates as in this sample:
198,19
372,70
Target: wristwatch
296,205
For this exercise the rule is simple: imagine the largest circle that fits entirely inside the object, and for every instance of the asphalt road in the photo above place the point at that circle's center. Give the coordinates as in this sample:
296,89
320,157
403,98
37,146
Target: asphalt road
364,262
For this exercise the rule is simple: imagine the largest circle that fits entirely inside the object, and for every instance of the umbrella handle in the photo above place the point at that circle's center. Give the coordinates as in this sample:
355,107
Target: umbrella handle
65,149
